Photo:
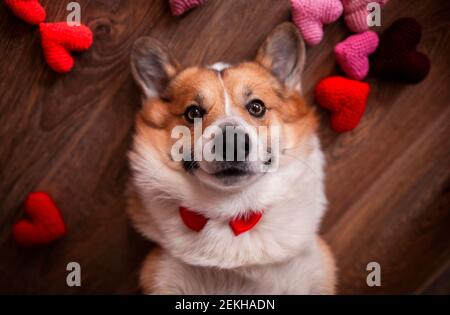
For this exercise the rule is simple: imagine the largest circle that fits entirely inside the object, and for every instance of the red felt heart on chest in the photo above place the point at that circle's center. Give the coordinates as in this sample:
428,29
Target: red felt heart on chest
241,224
44,225
345,98
59,39
31,11
397,56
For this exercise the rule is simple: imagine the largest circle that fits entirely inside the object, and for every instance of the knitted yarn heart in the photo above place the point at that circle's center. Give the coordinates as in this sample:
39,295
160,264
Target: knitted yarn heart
397,57
345,98
356,13
311,15
59,39
353,54
31,11
178,7
45,225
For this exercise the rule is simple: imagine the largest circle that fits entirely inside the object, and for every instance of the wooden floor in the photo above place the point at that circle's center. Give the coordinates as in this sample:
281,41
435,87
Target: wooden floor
388,182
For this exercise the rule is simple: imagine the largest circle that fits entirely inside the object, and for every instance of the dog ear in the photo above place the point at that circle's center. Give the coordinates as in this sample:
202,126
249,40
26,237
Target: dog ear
152,66
284,54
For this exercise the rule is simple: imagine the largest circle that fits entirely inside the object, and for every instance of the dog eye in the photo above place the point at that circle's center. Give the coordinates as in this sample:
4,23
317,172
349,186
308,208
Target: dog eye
256,108
193,112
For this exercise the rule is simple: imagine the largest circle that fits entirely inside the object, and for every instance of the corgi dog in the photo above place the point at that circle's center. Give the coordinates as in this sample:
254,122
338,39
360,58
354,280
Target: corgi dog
229,225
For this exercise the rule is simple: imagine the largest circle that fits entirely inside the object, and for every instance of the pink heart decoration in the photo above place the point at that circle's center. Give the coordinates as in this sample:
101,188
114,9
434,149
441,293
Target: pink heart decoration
179,7
311,15
353,54
355,13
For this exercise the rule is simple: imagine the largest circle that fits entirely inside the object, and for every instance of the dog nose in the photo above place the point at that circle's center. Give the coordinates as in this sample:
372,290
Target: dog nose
235,144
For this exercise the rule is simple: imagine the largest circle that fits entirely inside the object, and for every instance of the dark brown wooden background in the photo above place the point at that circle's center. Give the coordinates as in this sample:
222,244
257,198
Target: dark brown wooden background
388,181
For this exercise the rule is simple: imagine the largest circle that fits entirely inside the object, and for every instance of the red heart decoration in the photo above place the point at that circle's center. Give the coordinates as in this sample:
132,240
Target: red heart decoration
59,39
345,98
243,224
45,225
397,57
31,11
194,221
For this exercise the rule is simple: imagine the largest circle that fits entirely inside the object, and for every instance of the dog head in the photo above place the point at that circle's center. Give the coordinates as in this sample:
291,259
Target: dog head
225,126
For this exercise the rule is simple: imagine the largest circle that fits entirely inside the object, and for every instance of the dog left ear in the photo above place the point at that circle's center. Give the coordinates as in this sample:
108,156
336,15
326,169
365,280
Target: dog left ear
153,66
284,54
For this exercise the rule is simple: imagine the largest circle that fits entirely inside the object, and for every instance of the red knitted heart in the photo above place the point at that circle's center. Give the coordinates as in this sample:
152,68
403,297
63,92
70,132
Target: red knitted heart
31,11
59,39
397,57
345,98
46,224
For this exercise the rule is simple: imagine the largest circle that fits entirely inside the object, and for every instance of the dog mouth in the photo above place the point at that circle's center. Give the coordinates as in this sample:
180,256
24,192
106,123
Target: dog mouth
235,170
225,175
231,172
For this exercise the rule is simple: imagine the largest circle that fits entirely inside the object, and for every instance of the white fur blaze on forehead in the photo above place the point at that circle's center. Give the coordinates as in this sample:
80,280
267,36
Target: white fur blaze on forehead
219,66
226,96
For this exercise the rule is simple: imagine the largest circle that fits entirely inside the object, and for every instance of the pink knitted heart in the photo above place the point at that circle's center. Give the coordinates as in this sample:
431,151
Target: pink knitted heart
311,15
355,13
353,54
178,7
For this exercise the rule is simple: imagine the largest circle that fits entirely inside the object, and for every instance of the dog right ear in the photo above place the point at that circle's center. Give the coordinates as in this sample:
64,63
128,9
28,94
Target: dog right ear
284,54
152,66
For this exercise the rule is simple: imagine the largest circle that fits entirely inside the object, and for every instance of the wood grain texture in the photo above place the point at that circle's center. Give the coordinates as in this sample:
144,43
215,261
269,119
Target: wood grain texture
388,182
